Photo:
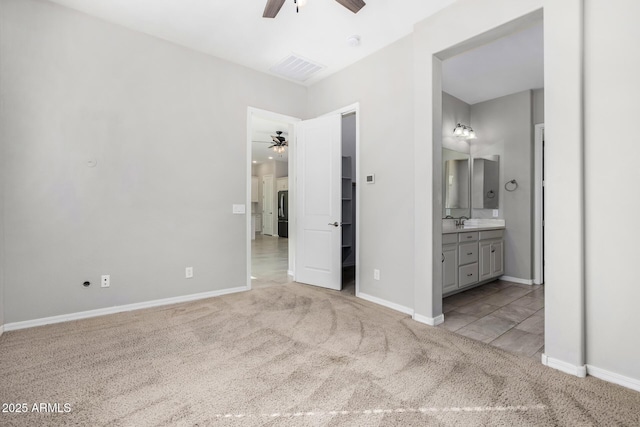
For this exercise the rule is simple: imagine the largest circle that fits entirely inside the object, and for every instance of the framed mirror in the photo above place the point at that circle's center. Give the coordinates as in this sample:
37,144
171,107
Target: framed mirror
486,182
456,181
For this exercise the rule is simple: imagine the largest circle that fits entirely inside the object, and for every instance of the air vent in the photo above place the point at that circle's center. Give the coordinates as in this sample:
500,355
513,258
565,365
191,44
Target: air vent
296,68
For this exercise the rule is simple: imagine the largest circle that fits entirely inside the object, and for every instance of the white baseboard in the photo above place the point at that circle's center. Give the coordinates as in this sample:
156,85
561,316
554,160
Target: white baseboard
385,303
612,377
118,309
290,273
431,321
567,368
517,280
1,329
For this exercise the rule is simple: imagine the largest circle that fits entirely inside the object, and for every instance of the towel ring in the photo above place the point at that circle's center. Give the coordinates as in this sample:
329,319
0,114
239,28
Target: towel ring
491,194
511,185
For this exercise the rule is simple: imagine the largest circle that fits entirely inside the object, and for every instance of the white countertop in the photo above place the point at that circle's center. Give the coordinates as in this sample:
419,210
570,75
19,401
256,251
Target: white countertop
449,230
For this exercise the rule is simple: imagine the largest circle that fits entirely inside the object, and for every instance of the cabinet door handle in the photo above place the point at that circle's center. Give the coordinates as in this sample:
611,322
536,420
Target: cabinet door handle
470,274
469,253
469,237
442,257
493,250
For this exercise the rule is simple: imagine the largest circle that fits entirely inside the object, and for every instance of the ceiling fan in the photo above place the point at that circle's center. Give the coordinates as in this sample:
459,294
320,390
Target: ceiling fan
273,6
278,142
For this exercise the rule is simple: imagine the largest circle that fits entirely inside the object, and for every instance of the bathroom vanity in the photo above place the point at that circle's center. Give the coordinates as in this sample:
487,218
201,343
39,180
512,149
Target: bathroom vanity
472,249
471,256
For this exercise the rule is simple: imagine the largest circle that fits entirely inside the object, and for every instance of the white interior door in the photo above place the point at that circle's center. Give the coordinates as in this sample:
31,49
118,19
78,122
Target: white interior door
267,205
319,202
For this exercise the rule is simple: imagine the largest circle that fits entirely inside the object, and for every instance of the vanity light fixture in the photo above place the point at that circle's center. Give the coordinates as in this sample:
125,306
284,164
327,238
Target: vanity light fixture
463,131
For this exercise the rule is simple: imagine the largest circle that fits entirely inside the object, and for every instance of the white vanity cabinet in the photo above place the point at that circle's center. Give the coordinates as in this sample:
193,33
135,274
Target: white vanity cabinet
470,258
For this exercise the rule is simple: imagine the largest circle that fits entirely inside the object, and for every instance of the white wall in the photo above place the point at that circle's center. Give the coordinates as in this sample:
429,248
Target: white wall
383,85
612,177
275,169
167,127
503,127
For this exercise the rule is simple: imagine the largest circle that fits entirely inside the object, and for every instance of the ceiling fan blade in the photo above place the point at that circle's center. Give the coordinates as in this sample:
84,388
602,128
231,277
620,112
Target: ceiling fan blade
272,8
353,5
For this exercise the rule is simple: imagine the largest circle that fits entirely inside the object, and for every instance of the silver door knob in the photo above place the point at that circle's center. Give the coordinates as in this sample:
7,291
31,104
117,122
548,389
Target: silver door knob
335,224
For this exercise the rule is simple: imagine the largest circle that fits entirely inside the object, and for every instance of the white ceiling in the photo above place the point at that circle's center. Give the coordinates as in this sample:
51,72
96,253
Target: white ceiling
508,65
236,31
261,130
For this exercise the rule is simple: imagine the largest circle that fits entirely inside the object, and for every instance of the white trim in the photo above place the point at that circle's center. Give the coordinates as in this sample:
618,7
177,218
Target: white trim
119,309
612,377
1,329
538,229
290,273
517,280
385,303
567,368
431,321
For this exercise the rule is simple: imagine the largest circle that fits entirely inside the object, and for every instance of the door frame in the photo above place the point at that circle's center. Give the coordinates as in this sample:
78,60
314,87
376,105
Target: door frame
538,225
290,120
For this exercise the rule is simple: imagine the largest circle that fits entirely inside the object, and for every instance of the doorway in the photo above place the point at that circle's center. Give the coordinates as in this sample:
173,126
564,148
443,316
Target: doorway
489,289
266,252
269,146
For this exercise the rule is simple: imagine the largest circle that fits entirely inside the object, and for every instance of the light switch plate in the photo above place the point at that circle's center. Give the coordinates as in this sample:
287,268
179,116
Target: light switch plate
496,213
239,209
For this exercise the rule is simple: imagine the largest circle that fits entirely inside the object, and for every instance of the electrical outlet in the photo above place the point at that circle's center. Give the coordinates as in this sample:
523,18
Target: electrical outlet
496,213
188,272
376,274
105,282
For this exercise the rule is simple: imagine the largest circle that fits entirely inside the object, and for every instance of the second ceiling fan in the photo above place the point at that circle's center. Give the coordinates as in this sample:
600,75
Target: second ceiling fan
273,6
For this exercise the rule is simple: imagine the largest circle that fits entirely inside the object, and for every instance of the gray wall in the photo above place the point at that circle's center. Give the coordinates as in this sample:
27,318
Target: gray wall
2,179
503,127
167,127
454,111
538,106
383,84
612,177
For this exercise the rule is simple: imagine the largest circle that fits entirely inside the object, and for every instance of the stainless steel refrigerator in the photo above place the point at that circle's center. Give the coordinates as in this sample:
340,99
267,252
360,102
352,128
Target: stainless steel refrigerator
283,213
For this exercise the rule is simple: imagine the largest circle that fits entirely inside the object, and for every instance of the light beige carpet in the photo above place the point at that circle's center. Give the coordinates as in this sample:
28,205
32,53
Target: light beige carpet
288,355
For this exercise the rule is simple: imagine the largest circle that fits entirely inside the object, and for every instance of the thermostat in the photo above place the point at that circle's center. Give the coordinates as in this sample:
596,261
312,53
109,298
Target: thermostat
371,179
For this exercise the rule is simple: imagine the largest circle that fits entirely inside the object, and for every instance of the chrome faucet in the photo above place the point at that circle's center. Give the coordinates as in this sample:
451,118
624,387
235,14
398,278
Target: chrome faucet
461,221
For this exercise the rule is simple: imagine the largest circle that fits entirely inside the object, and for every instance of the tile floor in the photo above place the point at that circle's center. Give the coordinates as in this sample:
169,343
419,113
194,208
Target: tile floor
270,259
504,314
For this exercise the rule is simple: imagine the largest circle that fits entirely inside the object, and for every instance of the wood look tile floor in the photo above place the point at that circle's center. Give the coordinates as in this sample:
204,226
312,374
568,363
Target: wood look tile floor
270,260
504,314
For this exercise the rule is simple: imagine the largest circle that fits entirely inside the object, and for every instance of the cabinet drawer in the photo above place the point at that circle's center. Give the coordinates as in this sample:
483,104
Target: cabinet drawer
491,234
468,237
467,275
449,238
468,253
